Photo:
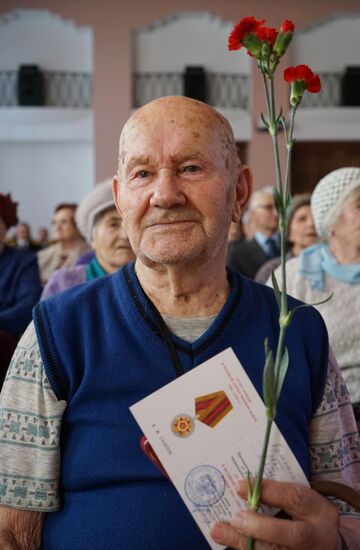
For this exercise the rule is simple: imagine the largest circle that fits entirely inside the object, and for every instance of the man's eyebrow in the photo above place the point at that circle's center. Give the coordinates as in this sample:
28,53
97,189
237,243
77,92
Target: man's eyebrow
138,160
184,157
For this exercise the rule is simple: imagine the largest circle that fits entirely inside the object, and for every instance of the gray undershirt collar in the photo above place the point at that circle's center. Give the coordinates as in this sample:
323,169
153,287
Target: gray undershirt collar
188,328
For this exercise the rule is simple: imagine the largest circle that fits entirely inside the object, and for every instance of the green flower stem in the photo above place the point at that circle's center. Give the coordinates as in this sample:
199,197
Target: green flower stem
254,504
266,90
283,222
255,499
279,353
274,134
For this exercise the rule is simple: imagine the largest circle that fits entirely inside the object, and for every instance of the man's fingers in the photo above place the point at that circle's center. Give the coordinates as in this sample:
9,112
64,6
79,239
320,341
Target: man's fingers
297,500
274,531
224,533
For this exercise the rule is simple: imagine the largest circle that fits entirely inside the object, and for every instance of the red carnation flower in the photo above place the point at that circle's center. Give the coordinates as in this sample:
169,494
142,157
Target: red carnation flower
247,25
283,38
287,26
267,34
303,72
301,78
314,84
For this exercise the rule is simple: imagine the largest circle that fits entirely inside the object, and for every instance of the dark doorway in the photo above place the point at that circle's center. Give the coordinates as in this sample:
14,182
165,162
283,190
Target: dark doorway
313,160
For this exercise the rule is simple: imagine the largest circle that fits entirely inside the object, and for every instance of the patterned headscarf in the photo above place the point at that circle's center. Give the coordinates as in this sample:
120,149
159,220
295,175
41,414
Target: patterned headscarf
329,196
8,210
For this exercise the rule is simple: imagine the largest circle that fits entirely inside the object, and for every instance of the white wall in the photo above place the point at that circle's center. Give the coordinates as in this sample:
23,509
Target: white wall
46,154
41,175
187,38
313,47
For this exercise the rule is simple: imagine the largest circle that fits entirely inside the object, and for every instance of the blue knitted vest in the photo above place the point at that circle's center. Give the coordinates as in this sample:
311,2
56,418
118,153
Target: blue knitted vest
103,351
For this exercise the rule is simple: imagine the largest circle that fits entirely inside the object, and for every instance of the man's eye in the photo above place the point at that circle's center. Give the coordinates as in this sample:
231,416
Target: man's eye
143,174
190,168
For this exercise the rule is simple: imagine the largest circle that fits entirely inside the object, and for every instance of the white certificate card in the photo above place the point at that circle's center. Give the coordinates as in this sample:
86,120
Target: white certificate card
207,429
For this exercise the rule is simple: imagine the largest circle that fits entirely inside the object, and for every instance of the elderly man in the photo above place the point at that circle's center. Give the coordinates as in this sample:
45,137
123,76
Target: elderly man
247,257
99,348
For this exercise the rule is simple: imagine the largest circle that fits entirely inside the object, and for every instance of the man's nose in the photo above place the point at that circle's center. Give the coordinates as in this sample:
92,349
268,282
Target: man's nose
167,190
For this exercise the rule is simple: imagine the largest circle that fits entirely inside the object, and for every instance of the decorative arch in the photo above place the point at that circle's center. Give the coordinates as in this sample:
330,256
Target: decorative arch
183,39
44,38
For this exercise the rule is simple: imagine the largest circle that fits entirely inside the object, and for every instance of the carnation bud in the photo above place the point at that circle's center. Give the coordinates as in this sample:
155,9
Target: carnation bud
298,88
282,42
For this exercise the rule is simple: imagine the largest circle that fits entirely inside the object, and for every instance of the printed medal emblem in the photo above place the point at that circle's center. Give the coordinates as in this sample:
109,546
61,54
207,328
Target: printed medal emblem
182,425
212,408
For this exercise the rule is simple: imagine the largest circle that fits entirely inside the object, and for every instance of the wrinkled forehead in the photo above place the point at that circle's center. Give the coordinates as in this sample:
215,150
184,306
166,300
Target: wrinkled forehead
194,123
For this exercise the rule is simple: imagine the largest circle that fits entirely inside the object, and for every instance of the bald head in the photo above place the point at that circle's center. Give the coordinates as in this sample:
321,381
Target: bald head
175,114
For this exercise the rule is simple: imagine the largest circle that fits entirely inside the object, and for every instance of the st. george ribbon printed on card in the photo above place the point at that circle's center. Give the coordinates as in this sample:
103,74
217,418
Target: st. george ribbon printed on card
207,429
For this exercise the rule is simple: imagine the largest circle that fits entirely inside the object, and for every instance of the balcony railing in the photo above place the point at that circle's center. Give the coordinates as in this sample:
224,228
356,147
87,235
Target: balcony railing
330,94
62,89
226,90
223,89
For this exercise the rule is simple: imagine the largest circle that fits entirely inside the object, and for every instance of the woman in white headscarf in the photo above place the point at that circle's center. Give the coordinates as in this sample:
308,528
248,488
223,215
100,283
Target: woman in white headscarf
333,266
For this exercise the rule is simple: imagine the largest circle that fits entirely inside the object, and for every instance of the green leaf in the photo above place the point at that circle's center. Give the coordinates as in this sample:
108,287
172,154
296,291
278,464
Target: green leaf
283,367
276,288
288,202
293,311
280,116
264,121
269,389
278,201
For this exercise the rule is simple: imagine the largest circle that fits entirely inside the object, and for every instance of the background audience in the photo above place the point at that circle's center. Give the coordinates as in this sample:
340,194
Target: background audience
248,256
101,225
333,266
19,286
42,239
301,233
69,243
23,238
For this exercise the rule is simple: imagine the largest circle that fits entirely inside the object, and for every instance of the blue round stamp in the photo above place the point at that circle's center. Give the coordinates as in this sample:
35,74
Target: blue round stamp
204,485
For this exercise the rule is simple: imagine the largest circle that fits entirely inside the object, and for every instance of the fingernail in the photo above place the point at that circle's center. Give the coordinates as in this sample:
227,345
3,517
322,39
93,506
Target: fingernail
217,532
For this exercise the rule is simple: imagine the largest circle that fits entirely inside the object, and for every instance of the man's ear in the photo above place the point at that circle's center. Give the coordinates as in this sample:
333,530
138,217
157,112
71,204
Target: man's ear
244,188
116,190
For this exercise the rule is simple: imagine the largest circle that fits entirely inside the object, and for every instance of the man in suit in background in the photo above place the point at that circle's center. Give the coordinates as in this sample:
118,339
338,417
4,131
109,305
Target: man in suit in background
247,257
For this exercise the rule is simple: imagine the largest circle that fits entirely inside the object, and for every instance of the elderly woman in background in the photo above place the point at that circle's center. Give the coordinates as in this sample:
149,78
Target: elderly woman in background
101,225
301,233
19,286
333,266
69,243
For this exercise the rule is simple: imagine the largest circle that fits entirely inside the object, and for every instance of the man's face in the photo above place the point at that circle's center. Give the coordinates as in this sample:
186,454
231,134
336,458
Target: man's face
42,234
63,225
263,214
23,232
110,242
177,188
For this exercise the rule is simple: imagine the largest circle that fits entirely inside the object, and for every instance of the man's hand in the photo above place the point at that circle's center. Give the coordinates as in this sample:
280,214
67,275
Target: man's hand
20,529
314,523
